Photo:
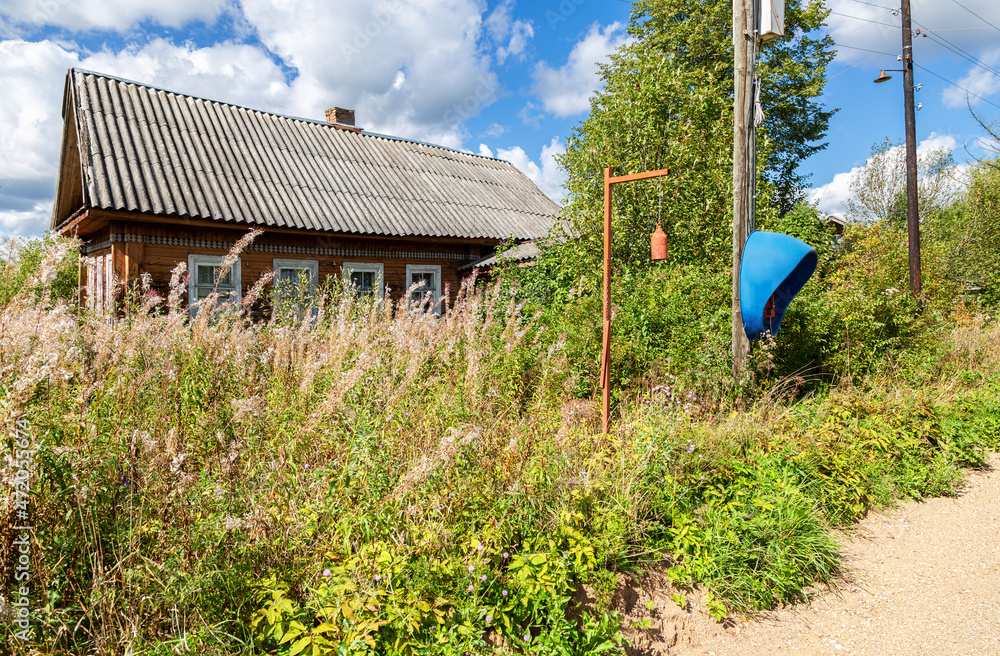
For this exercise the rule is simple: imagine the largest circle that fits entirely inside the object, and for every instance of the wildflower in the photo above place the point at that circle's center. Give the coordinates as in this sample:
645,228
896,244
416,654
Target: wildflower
504,593
378,577
480,548
505,555
327,573
489,619
527,637
472,568
471,588
484,578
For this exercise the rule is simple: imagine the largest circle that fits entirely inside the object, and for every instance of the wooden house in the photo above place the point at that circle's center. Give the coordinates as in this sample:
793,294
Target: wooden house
149,178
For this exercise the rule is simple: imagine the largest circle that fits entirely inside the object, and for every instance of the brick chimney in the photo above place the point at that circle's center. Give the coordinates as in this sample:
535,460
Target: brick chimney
342,119
340,115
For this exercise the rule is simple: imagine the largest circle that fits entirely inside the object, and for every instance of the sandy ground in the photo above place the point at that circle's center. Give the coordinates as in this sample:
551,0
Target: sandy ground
923,578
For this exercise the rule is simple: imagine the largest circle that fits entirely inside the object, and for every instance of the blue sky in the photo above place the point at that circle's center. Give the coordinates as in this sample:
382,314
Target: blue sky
509,79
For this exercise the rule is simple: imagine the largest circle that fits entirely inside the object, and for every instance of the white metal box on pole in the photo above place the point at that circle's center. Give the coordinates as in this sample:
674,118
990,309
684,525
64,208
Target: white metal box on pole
771,20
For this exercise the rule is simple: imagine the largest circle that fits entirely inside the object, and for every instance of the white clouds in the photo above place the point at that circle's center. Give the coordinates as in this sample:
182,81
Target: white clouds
30,121
549,176
978,81
234,73
503,28
413,68
935,142
566,91
831,198
118,15
876,28
495,130
438,44
485,151
26,223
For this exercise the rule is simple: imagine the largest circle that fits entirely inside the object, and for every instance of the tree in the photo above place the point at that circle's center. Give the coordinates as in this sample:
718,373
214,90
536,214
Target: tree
878,190
990,142
666,102
974,236
697,34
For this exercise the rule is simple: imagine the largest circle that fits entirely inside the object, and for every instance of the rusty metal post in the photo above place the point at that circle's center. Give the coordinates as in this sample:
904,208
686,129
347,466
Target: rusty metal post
605,381
606,341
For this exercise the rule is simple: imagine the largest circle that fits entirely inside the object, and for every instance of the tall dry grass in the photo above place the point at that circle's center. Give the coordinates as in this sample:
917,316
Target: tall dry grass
188,466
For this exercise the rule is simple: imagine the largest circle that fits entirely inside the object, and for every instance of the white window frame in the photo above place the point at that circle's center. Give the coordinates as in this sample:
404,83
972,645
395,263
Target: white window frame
426,268
100,282
212,260
312,266
367,267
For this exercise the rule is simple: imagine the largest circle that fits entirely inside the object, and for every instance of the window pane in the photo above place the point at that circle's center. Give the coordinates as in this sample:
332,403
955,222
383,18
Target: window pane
364,281
208,272
291,276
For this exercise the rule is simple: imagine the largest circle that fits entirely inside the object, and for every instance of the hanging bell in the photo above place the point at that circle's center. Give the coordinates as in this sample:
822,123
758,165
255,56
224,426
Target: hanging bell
658,244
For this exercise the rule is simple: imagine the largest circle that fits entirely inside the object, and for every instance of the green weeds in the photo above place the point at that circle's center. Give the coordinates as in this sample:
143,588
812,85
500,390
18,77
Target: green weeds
373,480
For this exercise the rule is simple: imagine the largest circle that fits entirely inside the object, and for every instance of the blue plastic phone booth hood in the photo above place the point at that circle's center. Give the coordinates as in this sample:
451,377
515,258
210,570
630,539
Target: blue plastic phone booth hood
774,265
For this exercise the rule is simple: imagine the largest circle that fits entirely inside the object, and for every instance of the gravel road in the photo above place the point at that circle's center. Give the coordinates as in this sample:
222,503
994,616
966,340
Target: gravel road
923,578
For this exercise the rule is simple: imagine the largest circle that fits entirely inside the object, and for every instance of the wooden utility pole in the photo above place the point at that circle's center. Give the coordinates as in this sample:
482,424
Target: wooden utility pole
744,21
912,208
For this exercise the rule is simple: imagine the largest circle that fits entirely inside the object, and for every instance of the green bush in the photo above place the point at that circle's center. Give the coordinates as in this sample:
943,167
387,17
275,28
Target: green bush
27,266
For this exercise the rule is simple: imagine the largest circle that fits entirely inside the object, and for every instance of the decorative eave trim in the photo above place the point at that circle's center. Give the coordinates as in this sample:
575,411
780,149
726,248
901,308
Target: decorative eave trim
275,248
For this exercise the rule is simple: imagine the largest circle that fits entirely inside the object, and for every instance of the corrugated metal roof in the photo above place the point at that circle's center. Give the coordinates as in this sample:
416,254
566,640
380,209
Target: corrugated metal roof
520,253
146,149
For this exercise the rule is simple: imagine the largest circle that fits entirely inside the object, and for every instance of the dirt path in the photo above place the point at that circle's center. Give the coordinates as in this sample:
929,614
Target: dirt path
923,578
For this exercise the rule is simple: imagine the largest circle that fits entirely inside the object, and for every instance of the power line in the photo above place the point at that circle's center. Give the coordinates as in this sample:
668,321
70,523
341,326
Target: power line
877,52
872,4
976,15
865,60
943,79
940,40
867,20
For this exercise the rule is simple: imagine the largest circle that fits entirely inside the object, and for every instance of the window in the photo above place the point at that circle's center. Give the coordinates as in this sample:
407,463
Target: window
295,283
430,276
100,283
298,275
366,278
205,280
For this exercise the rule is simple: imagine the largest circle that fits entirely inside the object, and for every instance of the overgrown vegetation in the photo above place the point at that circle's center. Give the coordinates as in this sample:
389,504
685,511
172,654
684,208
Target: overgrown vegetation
374,480
351,476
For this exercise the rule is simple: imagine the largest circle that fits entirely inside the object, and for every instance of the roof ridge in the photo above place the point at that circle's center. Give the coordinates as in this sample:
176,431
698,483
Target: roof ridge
365,133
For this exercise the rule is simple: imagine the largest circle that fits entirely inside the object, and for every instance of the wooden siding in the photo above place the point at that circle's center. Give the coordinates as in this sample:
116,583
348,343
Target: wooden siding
133,258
